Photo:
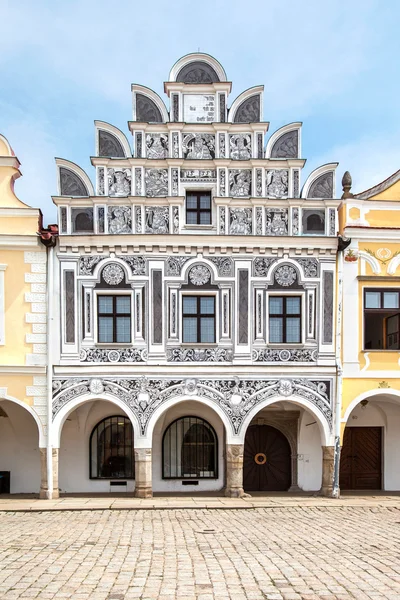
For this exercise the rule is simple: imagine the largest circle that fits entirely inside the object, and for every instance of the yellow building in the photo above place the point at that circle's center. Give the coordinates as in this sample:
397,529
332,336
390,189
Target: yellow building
370,264
23,395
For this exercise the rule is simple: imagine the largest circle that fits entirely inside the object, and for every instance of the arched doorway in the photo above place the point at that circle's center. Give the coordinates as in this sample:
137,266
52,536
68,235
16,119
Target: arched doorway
267,460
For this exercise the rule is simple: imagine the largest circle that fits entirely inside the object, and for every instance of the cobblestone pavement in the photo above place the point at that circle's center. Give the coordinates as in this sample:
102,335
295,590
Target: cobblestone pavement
292,553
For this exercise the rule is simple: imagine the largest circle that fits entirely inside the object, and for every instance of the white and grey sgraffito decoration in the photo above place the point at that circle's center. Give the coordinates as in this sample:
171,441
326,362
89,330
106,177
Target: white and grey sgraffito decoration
285,355
119,182
240,221
111,355
310,266
87,264
240,146
71,184
276,221
261,266
156,182
157,145
277,183
109,145
322,187
157,219
198,175
286,146
295,221
249,110
199,355
100,181
239,182
119,219
199,275
113,274
175,264
198,146
286,275
235,397
224,265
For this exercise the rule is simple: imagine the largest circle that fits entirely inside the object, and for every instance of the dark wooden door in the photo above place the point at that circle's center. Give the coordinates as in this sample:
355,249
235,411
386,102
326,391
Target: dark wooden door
361,459
267,460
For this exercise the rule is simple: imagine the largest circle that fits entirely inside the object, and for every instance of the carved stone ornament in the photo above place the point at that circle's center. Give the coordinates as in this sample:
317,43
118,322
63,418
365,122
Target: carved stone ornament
239,182
197,72
258,182
286,146
296,183
247,393
322,187
198,146
109,145
276,221
100,181
199,355
295,221
285,275
222,145
240,221
240,146
71,184
87,264
199,275
138,181
277,183
198,175
261,266
157,145
259,221
126,355
147,110
119,219
156,182
285,355
113,274
224,265
96,386
119,182
157,219
222,183
310,266
175,264
222,219
249,110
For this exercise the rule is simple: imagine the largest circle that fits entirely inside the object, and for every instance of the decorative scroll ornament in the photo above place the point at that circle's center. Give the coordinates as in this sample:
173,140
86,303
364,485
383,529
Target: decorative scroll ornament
285,355
310,266
199,275
100,181
113,274
88,263
224,265
102,355
285,275
295,221
175,264
199,355
262,265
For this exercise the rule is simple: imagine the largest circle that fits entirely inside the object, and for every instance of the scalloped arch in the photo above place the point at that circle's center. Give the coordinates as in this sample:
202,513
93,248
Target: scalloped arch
189,60
248,106
72,180
148,107
111,141
321,182
285,142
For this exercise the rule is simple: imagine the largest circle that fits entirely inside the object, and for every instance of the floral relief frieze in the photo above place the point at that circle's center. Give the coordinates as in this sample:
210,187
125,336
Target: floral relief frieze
199,355
285,355
111,355
235,397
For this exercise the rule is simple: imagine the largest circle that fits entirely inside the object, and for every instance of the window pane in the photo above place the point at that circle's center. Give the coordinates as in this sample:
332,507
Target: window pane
105,304
372,300
105,329
275,330
275,306
191,201
205,201
190,305
207,330
123,329
293,330
205,218
292,306
207,306
191,218
390,300
189,329
124,305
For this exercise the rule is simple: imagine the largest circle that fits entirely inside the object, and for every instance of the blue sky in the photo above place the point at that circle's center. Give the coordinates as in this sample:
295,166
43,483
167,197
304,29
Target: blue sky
333,65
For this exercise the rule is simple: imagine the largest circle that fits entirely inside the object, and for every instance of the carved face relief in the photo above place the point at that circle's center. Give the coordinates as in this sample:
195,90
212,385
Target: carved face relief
277,183
119,219
240,182
240,221
156,182
157,145
240,146
119,182
276,221
157,219
199,146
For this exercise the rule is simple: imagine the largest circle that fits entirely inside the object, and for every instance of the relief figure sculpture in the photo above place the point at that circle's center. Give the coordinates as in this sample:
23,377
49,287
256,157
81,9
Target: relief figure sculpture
119,182
157,145
240,182
240,147
199,146
277,183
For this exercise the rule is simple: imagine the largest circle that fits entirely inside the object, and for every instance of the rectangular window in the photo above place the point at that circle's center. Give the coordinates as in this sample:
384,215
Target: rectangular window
285,319
114,319
198,319
198,208
381,319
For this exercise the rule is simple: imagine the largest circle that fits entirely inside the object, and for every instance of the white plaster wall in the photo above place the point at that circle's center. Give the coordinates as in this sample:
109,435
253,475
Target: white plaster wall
74,450
183,409
19,449
309,460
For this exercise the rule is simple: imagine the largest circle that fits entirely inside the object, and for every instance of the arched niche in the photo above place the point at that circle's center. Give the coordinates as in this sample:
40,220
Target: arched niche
72,180
111,142
285,142
247,108
320,184
148,106
197,68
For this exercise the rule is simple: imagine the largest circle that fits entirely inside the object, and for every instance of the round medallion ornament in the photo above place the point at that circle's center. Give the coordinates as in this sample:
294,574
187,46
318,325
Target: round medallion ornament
113,274
82,355
284,355
113,356
285,275
199,275
191,386
260,459
96,387
285,388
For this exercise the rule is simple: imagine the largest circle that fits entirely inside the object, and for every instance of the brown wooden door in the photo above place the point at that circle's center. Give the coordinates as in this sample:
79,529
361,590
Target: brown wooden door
267,460
361,459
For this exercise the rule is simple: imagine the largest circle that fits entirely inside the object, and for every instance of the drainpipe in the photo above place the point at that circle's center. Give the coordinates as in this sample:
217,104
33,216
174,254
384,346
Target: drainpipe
50,292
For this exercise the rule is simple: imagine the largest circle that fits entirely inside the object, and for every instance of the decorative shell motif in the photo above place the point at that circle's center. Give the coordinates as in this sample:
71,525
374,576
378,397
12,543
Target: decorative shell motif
285,275
113,274
199,275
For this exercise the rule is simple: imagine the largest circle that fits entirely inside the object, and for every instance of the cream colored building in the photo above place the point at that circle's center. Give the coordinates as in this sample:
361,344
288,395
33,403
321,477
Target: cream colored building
23,397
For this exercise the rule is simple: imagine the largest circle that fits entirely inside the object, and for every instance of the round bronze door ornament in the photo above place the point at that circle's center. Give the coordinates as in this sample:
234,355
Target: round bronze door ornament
260,459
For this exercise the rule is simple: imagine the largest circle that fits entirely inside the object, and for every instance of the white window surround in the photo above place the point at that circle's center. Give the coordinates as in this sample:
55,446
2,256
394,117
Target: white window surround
112,292
209,293
2,306
288,293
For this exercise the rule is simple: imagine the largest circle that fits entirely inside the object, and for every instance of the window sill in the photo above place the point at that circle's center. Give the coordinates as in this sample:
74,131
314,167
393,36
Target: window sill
115,345
197,345
381,350
195,226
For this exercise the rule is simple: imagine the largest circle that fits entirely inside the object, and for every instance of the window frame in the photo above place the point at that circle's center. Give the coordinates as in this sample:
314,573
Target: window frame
95,428
198,210
216,450
199,295
380,311
279,294
113,293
